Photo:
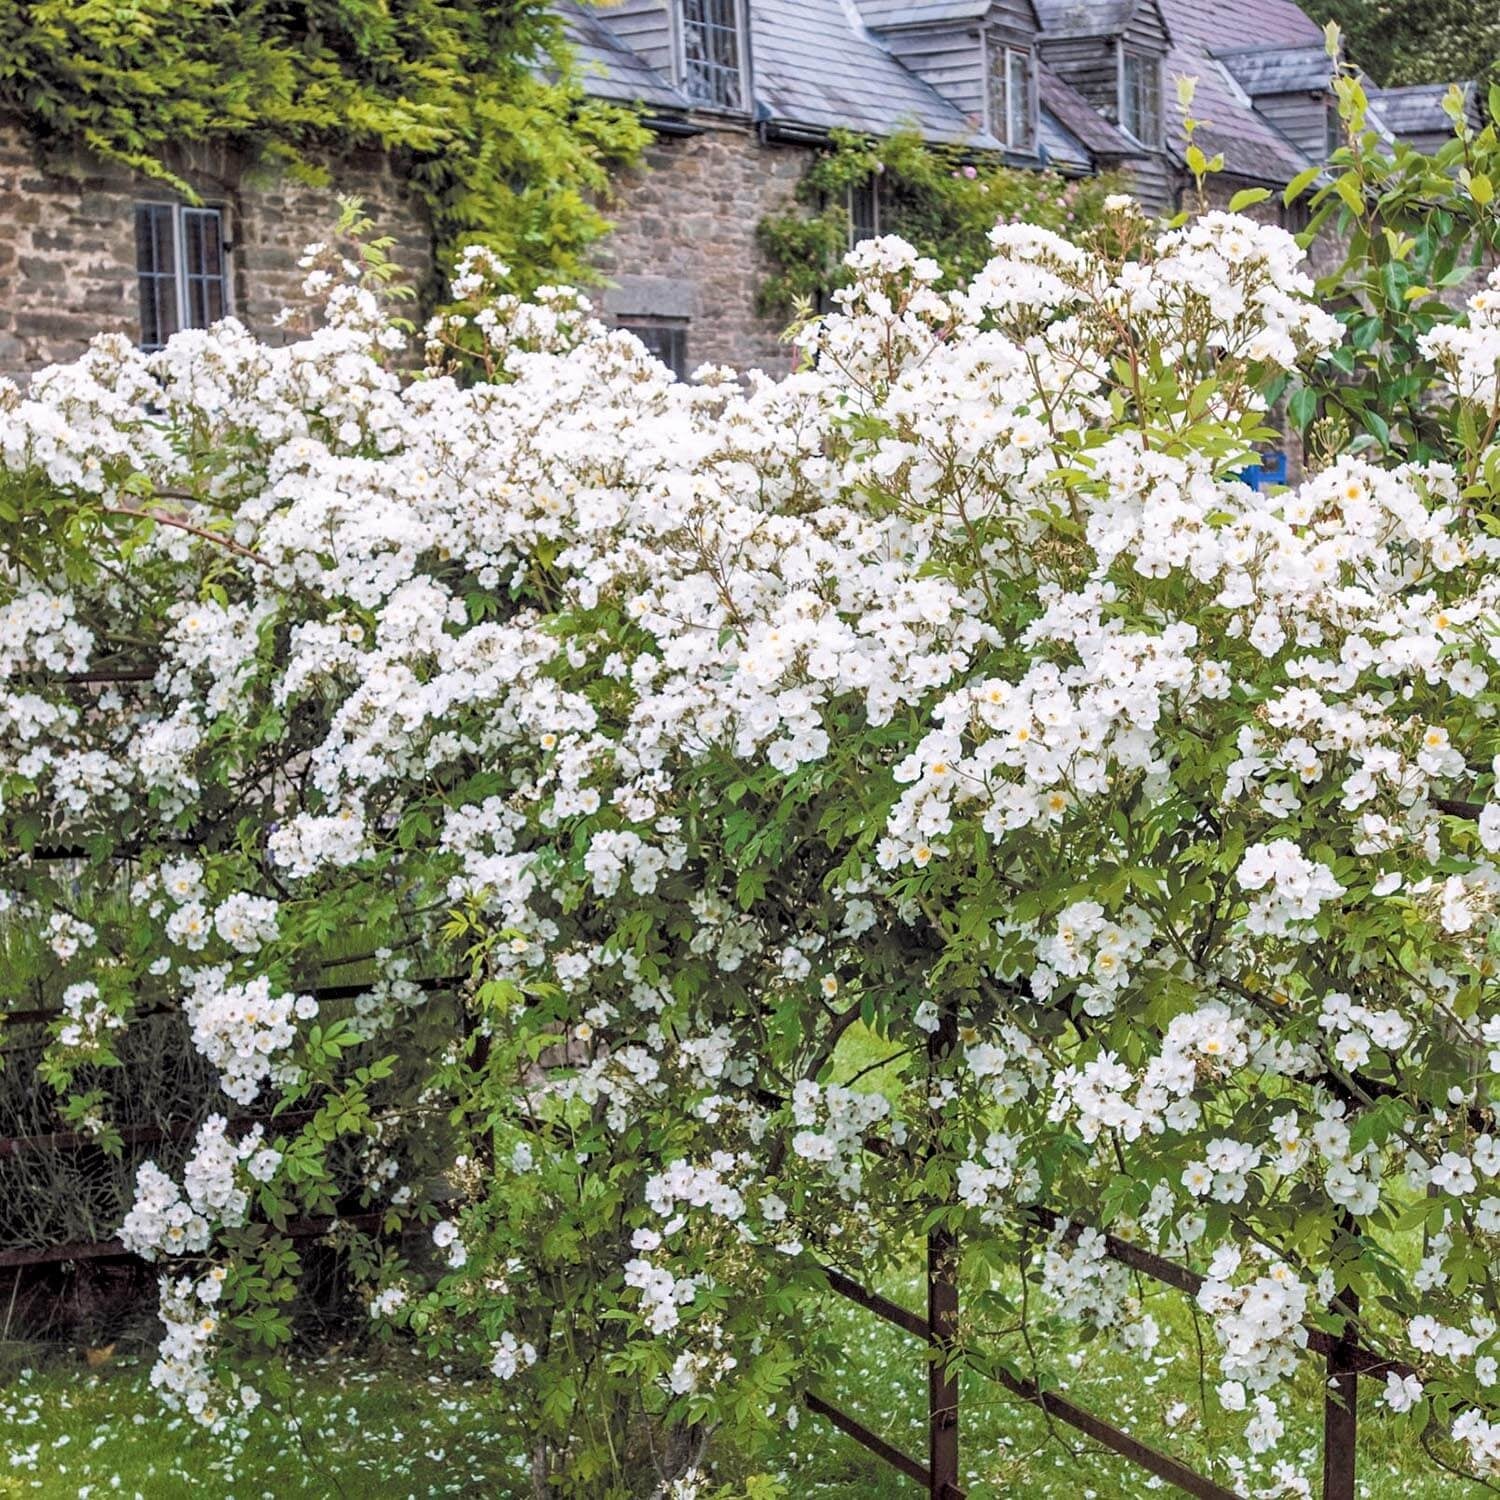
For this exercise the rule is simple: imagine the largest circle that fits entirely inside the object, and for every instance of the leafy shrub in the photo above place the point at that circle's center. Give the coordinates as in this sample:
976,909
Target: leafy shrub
940,199
627,747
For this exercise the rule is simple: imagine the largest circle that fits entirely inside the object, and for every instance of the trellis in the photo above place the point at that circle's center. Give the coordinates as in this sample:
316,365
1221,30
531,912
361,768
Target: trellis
1345,1361
66,1196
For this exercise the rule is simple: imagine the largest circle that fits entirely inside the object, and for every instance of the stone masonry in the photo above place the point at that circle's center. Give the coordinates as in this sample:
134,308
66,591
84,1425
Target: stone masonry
684,249
683,252
67,241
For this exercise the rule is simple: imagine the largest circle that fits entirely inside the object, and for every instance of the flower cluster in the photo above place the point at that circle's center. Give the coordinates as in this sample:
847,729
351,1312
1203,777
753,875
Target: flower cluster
240,1029
755,806
179,1219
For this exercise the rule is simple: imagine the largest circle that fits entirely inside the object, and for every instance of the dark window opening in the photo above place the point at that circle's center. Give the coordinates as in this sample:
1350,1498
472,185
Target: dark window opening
667,341
180,269
712,73
864,210
1140,97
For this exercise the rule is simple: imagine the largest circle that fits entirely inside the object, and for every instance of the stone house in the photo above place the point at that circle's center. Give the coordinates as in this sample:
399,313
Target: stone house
739,92
739,95
86,246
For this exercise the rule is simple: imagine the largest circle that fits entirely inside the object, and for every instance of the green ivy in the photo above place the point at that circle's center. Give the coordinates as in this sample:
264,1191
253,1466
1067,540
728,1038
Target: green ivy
476,100
937,197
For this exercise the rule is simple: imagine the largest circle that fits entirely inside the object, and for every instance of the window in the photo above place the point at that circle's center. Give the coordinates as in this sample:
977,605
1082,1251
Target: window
711,68
179,266
1010,85
667,341
864,210
1140,97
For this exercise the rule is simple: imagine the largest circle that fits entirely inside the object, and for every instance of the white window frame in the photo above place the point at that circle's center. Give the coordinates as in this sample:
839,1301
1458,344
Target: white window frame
998,49
180,213
1125,95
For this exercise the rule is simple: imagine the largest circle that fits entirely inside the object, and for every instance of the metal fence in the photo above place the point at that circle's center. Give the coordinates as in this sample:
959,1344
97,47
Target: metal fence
1345,1361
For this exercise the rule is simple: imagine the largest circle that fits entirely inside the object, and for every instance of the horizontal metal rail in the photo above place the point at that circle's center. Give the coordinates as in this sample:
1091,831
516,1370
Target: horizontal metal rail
877,1445
873,1302
319,992
1059,1407
1143,1455
1358,1358
296,1229
139,1135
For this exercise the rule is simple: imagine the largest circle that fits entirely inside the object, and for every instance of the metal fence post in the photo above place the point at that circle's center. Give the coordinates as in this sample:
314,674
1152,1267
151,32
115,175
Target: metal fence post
942,1316
942,1384
1340,1408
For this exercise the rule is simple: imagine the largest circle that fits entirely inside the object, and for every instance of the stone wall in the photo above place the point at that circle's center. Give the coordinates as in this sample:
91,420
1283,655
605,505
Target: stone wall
683,250
67,241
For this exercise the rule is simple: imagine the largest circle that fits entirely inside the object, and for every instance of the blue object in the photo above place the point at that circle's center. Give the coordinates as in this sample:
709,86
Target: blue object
1270,470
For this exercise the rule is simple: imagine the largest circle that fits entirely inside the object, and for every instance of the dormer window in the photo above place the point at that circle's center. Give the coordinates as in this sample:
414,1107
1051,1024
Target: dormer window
1009,95
1140,97
713,72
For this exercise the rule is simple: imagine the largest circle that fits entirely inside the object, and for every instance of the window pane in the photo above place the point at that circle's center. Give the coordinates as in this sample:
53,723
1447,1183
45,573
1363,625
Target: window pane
864,210
999,91
1019,101
711,52
203,265
667,341
156,272
1141,104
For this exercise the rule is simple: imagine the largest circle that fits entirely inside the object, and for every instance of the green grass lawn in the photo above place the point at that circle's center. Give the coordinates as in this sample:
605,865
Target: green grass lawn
403,1429
364,1431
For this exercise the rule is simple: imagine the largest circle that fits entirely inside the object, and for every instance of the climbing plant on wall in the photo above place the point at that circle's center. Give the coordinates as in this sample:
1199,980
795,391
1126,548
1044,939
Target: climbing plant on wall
477,99
937,199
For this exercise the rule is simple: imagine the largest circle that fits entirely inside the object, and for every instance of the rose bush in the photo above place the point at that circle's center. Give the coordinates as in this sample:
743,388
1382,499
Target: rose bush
525,786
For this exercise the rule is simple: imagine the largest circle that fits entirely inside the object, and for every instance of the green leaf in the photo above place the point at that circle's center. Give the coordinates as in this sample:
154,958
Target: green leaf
1302,407
1300,184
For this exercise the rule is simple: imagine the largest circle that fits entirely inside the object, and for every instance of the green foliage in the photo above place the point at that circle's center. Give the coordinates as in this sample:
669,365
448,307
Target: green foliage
932,196
476,99
1417,41
1413,229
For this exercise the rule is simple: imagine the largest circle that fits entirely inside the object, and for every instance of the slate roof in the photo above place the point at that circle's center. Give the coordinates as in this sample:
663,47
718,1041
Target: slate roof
1061,18
816,64
820,64
611,70
1224,25
1252,147
1061,149
1418,109
1074,114
1279,70
887,14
